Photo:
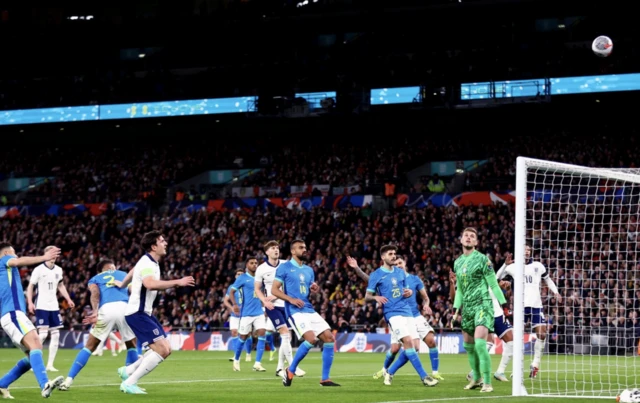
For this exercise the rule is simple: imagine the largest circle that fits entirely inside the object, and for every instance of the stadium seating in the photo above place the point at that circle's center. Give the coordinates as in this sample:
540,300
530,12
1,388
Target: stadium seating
211,245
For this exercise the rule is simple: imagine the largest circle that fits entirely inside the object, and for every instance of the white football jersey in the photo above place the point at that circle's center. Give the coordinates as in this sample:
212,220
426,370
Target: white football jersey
140,298
534,272
265,274
47,281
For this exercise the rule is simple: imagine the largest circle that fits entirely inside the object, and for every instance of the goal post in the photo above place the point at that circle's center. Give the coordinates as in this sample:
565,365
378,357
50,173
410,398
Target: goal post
581,223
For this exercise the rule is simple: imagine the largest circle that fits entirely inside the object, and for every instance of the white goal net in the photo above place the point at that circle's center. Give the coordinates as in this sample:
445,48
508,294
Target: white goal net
581,223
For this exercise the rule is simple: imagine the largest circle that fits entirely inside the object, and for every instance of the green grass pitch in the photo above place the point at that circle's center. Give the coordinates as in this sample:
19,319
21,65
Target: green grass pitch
199,376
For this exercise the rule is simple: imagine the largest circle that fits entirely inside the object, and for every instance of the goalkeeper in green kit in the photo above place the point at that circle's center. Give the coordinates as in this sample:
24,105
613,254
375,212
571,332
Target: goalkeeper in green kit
475,276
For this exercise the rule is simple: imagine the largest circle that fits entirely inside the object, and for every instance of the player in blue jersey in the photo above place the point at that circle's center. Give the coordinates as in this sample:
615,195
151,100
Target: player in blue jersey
395,344
17,325
251,314
234,320
390,285
108,303
297,280
424,329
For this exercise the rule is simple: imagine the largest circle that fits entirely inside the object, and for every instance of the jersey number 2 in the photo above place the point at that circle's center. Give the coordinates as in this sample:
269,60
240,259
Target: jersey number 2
110,280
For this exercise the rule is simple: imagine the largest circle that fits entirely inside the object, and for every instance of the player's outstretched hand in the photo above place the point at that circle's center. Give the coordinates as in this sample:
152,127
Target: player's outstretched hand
559,298
71,304
508,258
187,281
381,300
353,263
117,283
52,253
407,293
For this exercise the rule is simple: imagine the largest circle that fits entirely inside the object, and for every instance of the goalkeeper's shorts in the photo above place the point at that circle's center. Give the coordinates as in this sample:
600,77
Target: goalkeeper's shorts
475,316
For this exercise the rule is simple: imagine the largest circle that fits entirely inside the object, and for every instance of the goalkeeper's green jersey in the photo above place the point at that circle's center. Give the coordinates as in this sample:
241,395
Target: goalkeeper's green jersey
474,277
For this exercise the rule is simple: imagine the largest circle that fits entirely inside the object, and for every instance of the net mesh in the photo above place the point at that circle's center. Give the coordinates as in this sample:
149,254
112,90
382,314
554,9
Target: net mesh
582,225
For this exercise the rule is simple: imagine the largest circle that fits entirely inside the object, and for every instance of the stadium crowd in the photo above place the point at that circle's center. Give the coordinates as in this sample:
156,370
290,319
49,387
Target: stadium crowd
591,260
595,272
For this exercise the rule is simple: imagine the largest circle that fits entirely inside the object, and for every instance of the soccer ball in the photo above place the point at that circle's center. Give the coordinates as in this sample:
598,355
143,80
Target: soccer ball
629,396
602,46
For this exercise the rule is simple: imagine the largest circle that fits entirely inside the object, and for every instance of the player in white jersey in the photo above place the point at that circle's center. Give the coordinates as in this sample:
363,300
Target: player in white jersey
274,307
48,278
145,284
534,272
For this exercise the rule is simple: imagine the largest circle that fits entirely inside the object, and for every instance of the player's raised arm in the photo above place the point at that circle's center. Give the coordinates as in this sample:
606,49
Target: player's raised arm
508,261
353,263
151,284
50,254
